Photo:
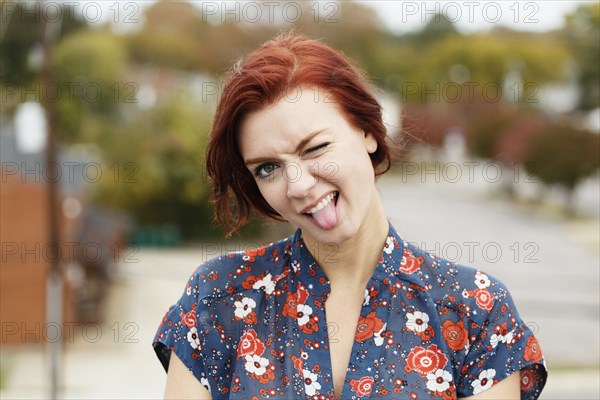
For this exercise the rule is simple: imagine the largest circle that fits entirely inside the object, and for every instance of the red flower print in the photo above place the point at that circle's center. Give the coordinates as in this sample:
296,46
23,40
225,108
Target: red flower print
455,335
367,327
265,378
528,377
484,299
410,263
189,318
290,306
298,363
532,350
251,319
250,281
250,344
310,327
501,329
373,293
427,334
448,394
362,387
251,254
425,361
290,309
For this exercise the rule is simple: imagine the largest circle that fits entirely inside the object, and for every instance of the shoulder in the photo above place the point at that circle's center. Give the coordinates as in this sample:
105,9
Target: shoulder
238,271
460,287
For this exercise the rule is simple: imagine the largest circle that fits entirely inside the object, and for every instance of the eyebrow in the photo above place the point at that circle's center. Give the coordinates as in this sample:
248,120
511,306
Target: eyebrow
299,147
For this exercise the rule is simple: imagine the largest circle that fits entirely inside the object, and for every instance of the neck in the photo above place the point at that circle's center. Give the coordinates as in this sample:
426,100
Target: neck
351,263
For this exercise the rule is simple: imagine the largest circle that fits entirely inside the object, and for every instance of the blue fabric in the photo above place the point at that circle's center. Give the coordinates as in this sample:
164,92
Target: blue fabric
252,325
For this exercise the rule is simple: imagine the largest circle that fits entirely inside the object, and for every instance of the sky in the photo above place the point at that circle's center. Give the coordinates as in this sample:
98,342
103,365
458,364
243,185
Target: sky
471,16
398,16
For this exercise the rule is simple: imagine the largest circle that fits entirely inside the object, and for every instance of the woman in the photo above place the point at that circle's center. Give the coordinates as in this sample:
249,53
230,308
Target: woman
345,308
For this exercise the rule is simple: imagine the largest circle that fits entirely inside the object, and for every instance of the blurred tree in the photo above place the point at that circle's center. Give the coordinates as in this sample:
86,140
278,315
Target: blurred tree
20,37
582,33
503,133
90,65
486,60
485,132
563,156
352,28
177,35
156,167
439,27
21,46
170,37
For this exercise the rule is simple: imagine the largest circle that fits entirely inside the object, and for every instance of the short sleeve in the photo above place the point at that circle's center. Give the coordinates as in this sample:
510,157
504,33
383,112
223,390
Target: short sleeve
500,344
181,331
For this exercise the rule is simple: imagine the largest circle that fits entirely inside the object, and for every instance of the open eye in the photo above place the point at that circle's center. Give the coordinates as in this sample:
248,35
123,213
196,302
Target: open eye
264,170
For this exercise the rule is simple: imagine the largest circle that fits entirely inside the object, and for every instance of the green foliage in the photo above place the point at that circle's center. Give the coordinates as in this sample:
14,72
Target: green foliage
89,67
169,37
155,166
563,156
582,34
21,33
487,60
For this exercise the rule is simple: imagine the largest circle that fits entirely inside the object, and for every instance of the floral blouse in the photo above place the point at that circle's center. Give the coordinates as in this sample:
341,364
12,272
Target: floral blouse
252,325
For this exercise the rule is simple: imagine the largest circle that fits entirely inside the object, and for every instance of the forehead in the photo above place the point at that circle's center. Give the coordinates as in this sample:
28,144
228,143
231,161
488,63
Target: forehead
280,126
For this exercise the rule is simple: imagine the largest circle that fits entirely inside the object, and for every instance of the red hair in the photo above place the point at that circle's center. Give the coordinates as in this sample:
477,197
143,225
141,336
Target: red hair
277,67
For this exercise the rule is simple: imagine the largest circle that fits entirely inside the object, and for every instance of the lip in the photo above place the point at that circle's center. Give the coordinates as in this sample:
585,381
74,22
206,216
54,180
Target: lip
314,203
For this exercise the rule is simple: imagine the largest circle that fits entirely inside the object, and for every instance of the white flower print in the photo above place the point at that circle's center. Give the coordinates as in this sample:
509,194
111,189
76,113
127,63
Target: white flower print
389,245
256,364
192,337
439,380
481,280
496,338
304,313
205,383
265,284
310,382
377,337
367,298
295,265
484,381
244,307
417,321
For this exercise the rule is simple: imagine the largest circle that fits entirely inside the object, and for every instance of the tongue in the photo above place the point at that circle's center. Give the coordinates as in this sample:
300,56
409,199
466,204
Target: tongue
326,218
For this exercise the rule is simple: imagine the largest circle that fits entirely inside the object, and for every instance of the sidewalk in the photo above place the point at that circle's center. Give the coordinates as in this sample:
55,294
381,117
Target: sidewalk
555,283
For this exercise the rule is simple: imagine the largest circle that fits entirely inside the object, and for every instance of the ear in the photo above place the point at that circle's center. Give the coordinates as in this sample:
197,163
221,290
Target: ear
370,143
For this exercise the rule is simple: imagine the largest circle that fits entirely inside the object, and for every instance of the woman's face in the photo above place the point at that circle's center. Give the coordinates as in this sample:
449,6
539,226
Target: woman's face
311,165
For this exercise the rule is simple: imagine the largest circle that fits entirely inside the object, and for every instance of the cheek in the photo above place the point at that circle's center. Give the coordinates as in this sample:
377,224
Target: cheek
358,169
273,194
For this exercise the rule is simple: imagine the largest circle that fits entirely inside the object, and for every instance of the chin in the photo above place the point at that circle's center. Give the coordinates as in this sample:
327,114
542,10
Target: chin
338,234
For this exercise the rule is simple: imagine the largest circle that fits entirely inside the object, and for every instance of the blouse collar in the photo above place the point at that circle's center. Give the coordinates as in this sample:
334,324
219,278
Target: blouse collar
312,276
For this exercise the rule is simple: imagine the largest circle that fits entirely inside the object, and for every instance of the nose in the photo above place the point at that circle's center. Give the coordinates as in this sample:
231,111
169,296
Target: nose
299,180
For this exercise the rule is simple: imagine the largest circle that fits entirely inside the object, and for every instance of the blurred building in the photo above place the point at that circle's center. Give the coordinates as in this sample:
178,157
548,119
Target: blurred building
88,239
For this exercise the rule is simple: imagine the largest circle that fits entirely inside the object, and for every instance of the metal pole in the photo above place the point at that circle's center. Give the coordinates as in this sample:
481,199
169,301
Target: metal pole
54,300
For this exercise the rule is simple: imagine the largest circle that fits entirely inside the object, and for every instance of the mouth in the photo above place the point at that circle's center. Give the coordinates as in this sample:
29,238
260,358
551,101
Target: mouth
324,214
333,196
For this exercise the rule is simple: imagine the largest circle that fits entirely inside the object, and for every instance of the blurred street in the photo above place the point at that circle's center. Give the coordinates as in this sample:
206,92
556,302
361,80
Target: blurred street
550,265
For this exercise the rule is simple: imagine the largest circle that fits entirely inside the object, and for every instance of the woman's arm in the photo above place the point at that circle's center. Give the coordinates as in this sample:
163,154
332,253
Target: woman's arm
181,384
507,389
